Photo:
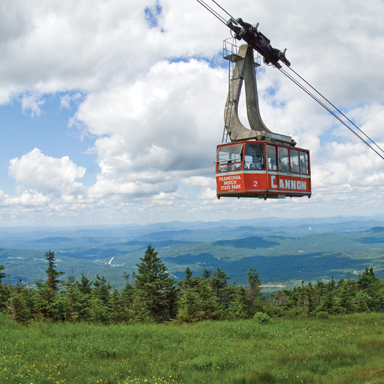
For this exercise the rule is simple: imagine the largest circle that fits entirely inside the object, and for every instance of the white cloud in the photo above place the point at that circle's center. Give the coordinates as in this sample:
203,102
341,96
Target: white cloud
46,174
31,103
58,46
200,181
156,130
208,194
27,198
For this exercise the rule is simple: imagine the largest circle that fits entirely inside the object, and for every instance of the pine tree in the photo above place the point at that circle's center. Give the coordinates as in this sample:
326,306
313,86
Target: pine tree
197,301
373,287
239,305
52,286
156,291
127,298
254,288
115,307
2,275
97,311
361,299
207,273
85,285
4,291
102,289
188,275
71,299
220,286
19,304
53,283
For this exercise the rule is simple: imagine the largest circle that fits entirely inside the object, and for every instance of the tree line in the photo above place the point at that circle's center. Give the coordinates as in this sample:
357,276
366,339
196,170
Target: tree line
152,295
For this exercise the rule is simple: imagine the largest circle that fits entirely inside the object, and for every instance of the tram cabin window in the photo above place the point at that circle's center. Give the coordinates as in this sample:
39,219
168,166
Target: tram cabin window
229,158
304,163
254,156
295,165
283,159
271,158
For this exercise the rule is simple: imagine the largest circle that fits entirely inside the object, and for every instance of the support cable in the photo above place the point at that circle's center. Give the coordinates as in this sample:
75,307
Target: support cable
214,13
233,19
337,109
329,110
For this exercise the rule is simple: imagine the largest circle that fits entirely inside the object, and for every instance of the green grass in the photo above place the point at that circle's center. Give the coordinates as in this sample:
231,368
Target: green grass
342,349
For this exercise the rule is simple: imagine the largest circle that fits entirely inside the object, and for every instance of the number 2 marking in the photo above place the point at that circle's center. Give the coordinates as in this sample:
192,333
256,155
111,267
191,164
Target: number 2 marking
255,183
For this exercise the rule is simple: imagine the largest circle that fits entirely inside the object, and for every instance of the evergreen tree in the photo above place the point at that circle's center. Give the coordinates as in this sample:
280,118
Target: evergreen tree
97,311
85,285
220,286
127,298
102,289
53,283
188,275
197,300
40,303
346,294
115,307
254,288
207,273
52,286
4,291
156,291
360,301
71,299
309,300
2,275
373,287
239,305
19,303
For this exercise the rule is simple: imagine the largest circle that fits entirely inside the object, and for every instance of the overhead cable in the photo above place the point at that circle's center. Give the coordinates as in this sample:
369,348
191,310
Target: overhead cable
331,111
337,109
214,13
224,10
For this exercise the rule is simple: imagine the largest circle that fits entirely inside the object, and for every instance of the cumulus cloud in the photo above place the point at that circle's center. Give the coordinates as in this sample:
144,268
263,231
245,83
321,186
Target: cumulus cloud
156,130
199,181
27,198
58,46
46,174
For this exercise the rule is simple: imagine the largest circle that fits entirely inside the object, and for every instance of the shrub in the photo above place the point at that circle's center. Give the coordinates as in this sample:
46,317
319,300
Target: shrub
322,315
292,313
261,318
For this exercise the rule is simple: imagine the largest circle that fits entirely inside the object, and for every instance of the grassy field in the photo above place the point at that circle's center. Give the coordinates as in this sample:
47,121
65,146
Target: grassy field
341,349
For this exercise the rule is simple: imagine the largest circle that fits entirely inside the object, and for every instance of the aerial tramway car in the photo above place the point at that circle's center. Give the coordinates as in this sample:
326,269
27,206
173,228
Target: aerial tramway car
262,169
257,162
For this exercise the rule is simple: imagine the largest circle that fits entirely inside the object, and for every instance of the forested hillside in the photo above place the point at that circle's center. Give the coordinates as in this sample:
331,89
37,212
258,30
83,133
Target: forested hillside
152,295
322,251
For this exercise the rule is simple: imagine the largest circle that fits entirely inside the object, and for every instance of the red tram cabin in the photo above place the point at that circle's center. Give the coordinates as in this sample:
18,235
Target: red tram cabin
262,169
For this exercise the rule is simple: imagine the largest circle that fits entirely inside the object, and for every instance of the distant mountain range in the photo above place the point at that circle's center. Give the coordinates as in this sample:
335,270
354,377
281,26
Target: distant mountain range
284,251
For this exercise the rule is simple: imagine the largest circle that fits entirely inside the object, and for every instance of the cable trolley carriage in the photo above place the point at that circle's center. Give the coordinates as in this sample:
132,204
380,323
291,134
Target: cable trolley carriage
256,162
262,169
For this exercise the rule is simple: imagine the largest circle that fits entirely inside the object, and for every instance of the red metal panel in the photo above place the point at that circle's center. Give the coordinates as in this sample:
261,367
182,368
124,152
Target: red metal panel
230,182
255,181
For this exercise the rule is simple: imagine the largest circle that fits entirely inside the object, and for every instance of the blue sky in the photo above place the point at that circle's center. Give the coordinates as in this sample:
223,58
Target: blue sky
49,131
111,113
